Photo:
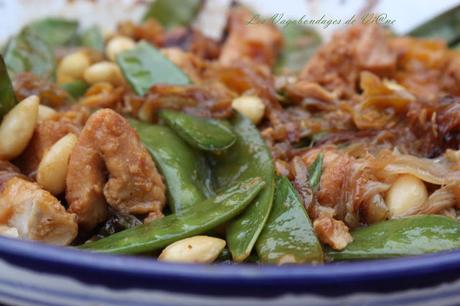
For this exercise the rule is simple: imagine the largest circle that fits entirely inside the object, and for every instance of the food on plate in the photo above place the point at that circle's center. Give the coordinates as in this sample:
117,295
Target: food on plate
266,146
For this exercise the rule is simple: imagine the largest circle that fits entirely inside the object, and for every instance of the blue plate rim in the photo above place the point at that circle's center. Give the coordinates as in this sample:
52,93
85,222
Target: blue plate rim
142,266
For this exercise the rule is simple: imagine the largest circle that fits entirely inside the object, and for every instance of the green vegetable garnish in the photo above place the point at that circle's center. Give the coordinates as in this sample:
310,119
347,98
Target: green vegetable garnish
201,133
76,88
445,26
145,66
300,43
7,96
402,237
172,13
185,170
92,38
27,52
199,219
288,236
248,157
314,171
55,31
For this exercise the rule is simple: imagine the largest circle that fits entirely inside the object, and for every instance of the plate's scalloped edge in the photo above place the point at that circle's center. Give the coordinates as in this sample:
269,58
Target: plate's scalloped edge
28,287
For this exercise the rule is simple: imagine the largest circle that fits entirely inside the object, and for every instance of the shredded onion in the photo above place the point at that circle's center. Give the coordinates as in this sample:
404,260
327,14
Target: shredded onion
429,170
437,203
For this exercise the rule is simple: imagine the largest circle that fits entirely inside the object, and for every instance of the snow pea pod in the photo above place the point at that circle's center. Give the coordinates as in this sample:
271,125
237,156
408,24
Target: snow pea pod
300,42
288,235
185,170
7,96
315,171
27,52
76,88
203,217
248,157
201,133
445,26
171,13
93,38
145,66
55,31
413,235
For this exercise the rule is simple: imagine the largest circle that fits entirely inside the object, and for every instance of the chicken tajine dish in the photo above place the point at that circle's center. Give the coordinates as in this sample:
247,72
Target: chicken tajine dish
264,146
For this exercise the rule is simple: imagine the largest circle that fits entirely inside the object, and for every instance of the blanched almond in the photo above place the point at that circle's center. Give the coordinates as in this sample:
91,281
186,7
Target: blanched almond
196,249
250,106
103,72
45,112
406,192
72,67
117,45
52,171
18,127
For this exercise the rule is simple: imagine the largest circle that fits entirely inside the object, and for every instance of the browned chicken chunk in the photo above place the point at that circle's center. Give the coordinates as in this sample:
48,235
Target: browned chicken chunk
29,212
110,165
259,43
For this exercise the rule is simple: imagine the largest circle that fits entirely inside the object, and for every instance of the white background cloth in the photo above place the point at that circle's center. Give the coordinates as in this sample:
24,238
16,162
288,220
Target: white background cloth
407,13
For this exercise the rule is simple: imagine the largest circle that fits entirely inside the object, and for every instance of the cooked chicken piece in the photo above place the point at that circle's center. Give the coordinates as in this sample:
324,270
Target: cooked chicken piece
332,232
260,43
109,147
301,90
427,67
104,95
336,168
348,187
27,84
8,231
337,65
209,99
193,41
46,134
151,30
34,213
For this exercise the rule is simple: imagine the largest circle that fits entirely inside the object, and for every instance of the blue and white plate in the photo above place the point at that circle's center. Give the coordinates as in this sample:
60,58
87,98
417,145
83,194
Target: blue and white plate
36,274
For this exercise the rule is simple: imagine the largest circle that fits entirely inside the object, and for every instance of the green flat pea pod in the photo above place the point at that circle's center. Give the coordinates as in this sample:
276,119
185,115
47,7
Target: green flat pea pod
93,38
315,171
248,157
27,52
201,133
76,88
203,217
145,66
300,42
185,170
55,32
172,13
413,235
7,96
288,236
444,26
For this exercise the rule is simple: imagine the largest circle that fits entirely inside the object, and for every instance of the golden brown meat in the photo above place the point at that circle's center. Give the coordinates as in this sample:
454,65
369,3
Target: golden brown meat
259,43
338,64
426,67
35,213
104,95
151,31
46,133
348,187
204,100
110,165
27,84
193,41
332,232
